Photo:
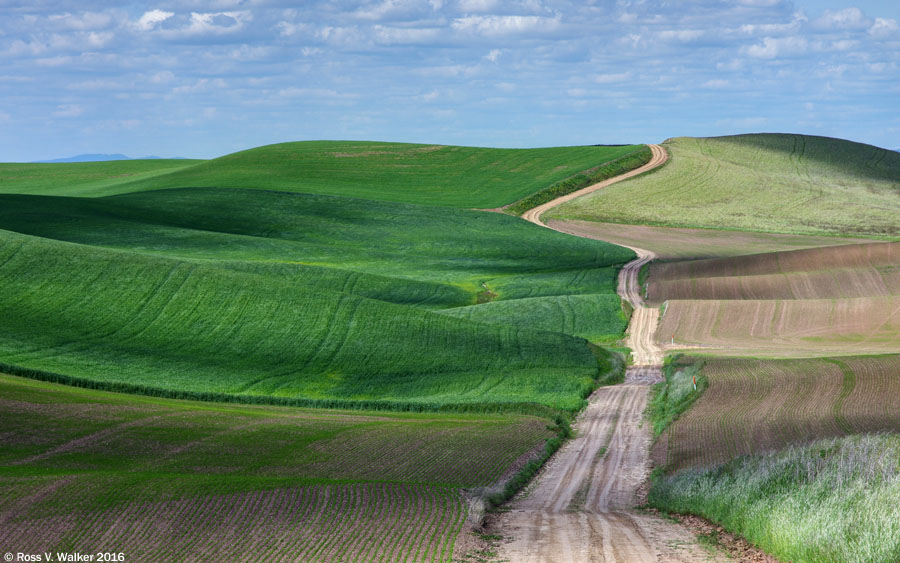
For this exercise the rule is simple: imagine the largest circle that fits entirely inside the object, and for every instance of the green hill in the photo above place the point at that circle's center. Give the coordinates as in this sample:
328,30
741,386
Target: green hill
292,295
82,178
766,182
426,174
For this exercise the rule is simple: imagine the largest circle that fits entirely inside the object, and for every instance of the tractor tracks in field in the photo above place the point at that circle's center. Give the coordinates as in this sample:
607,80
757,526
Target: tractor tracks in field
581,506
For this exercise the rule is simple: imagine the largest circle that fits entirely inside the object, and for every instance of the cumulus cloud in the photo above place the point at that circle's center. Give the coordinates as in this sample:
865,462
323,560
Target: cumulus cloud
504,71
775,47
884,27
151,19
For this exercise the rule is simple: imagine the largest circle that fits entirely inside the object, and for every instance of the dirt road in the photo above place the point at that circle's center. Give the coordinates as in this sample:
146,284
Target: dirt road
659,157
580,507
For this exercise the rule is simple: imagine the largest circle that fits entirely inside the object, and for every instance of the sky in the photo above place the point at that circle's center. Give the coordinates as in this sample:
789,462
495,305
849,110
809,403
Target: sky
203,78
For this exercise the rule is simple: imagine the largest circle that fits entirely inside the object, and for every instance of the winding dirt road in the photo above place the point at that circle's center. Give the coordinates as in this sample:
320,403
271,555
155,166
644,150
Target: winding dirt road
580,507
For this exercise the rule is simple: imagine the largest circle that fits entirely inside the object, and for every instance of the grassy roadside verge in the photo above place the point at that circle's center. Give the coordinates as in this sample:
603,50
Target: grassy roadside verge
668,400
584,179
832,500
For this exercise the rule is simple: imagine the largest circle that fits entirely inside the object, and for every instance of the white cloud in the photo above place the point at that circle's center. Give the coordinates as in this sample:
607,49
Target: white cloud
477,5
200,85
612,78
716,84
68,110
162,77
683,35
217,22
883,28
773,47
404,35
151,19
848,18
493,55
86,21
492,26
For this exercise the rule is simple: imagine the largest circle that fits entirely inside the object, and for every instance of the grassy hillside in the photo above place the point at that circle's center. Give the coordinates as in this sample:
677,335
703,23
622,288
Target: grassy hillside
425,174
768,182
167,480
597,318
754,406
290,295
83,178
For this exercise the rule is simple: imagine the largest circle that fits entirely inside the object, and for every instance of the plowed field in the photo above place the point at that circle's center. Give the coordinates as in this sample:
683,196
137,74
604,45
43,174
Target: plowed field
753,405
165,480
861,270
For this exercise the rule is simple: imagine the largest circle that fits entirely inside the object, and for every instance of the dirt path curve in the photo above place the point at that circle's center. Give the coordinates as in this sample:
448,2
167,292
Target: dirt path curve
581,506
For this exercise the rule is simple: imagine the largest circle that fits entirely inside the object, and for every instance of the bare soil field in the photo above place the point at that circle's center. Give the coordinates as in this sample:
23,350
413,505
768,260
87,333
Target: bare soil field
166,480
673,243
754,405
370,521
783,328
859,270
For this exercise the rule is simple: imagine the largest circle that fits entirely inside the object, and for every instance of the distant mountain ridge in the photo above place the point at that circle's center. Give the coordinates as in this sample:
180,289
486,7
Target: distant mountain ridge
102,158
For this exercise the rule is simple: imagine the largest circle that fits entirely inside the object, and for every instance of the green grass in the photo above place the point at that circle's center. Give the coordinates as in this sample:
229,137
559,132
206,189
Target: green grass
777,183
75,462
82,178
592,317
674,396
425,174
831,501
288,295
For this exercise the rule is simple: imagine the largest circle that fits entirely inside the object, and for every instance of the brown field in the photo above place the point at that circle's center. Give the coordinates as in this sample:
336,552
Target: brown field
166,480
670,243
369,522
754,405
784,328
860,270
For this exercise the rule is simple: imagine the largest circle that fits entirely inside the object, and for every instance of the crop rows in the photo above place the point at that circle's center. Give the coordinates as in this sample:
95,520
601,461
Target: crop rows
758,405
785,327
673,243
862,270
365,522
589,316
213,303
170,480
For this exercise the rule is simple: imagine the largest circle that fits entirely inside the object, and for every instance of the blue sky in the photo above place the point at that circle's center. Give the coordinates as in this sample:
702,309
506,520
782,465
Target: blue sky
201,78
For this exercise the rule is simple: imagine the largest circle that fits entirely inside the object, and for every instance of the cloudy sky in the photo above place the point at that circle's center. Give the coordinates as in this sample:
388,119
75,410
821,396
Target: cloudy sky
201,78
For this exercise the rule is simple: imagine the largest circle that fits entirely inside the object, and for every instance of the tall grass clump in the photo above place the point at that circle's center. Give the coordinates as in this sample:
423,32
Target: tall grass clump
676,394
833,500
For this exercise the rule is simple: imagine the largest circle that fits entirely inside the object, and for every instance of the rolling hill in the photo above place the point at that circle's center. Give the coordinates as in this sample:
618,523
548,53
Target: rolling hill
425,174
312,298
764,182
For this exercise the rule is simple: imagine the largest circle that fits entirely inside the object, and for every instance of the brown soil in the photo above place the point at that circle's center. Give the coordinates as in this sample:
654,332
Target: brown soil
670,243
859,270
